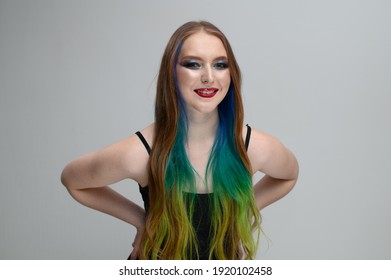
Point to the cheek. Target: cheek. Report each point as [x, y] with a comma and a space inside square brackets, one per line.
[225, 79]
[185, 77]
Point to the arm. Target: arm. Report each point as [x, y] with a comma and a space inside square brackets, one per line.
[87, 179]
[279, 165]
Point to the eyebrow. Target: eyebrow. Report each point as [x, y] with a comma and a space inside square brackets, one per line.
[192, 57]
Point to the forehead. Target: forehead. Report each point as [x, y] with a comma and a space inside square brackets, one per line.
[203, 45]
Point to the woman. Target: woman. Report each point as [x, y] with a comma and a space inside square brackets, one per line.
[194, 164]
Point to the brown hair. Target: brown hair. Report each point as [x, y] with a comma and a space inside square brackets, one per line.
[167, 115]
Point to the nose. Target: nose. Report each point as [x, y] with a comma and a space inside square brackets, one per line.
[207, 76]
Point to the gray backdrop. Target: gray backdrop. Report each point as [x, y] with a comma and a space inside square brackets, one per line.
[76, 76]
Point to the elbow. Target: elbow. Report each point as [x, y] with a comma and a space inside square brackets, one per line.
[291, 179]
[65, 177]
[295, 170]
[295, 176]
[292, 184]
[294, 179]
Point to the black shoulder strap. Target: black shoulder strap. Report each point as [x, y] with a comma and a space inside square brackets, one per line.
[247, 142]
[146, 145]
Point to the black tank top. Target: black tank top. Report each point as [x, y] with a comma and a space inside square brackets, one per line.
[201, 218]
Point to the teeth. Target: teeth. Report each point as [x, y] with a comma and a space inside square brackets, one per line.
[206, 91]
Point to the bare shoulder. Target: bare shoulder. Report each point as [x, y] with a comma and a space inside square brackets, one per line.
[135, 155]
[127, 158]
[268, 154]
[148, 134]
[261, 145]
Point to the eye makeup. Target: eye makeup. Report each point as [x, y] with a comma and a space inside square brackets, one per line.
[220, 65]
[191, 64]
[194, 64]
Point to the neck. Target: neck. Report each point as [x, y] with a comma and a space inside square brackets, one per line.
[202, 126]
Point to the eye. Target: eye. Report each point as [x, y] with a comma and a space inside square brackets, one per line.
[221, 65]
[191, 64]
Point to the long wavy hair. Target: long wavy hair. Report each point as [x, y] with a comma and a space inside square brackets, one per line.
[169, 233]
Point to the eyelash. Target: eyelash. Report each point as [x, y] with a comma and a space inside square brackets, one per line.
[221, 65]
[195, 65]
[191, 65]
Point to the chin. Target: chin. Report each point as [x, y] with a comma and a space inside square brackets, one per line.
[206, 109]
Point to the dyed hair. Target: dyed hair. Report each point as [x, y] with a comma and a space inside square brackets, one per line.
[169, 233]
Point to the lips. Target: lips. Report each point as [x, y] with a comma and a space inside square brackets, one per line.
[206, 92]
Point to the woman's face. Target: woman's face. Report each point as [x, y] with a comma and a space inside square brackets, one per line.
[202, 72]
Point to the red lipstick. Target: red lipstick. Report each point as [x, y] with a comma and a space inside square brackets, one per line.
[206, 92]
